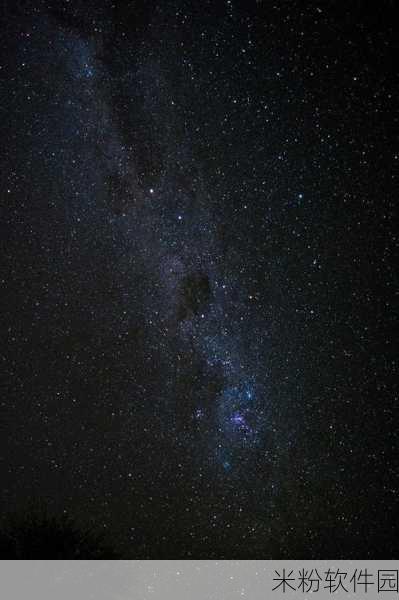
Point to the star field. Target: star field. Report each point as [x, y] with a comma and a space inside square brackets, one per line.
[198, 241]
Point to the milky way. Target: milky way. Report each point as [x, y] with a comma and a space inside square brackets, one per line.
[170, 227]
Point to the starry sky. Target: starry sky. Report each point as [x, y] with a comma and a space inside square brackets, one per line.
[198, 242]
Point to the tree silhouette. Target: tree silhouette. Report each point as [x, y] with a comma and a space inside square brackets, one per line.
[41, 536]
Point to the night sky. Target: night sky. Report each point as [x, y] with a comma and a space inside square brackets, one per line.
[197, 248]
